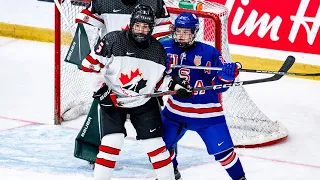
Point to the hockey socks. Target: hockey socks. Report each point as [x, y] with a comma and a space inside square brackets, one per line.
[159, 158]
[230, 161]
[108, 155]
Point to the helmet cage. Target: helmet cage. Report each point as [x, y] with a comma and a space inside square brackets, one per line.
[143, 14]
[187, 21]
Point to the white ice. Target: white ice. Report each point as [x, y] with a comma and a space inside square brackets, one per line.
[26, 98]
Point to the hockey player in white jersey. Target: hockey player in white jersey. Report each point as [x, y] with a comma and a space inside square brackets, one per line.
[113, 15]
[133, 63]
[203, 113]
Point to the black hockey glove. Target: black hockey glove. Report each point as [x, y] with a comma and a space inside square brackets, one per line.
[106, 97]
[182, 87]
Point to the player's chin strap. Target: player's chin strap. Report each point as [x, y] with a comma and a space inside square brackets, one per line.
[284, 68]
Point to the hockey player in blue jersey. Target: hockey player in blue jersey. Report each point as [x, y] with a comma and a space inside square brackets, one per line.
[202, 112]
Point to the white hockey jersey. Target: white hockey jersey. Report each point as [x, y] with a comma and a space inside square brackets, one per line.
[129, 70]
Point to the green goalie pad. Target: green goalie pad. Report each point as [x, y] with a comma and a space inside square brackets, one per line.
[88, 140]
[79, 47]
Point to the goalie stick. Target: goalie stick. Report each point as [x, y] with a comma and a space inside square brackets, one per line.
[284, 68]
[247, 70]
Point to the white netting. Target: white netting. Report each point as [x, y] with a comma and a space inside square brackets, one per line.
[248, 125]
[76, 93]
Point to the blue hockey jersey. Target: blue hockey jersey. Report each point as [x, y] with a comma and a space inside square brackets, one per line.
[204, 107]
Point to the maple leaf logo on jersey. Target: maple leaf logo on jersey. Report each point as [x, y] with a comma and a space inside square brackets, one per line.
[133, 81]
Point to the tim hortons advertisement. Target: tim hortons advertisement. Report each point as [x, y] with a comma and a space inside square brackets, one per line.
[283, 25]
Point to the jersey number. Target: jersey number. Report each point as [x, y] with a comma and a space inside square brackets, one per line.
[173, 60]
[199, 83]
[100, 47]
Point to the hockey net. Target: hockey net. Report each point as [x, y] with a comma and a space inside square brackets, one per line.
[248, 125]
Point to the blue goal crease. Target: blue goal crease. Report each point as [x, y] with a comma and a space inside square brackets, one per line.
[49, 149]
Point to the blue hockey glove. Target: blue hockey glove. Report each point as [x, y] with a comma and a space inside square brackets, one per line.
[229, 71]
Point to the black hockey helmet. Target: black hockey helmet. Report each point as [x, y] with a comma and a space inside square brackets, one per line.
[144, 14]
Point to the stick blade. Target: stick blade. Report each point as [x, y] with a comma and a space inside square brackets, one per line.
[284, 68]
[287, 64]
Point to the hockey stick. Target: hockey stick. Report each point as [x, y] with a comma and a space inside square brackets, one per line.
[284, 68]
[247, 70]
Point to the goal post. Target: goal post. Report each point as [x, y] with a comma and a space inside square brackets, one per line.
[248, 125]
[57, 64]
